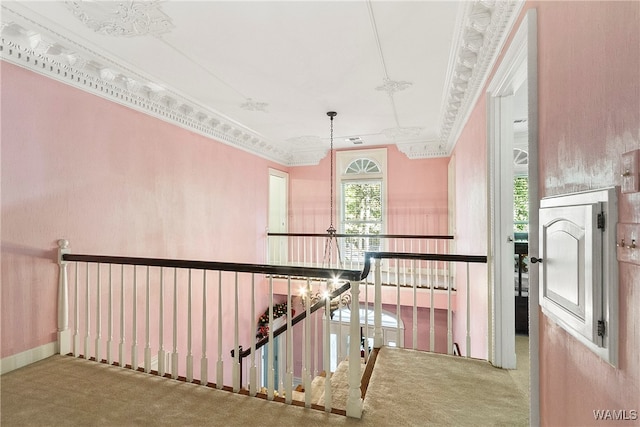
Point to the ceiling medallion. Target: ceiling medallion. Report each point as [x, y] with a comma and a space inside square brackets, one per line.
[129, 19]
[392, 86]
[251, 105]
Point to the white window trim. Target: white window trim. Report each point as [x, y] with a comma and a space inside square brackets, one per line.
[344, 159]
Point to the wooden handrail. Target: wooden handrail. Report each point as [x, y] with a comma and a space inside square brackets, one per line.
[297, 319]
[482, 259]
[383, 236]
[276, 270]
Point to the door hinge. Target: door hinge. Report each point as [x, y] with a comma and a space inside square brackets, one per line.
[601, 221]
[602, 328]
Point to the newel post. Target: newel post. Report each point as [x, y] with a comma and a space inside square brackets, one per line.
[354, 400]
[64, 334]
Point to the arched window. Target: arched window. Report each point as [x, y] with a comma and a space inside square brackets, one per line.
[362, 199]
[363, 166]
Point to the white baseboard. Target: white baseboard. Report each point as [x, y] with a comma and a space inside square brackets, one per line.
[16, 361]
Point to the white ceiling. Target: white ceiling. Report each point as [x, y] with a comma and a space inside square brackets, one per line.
[261, 75]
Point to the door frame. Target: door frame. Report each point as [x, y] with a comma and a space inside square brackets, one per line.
[519, 64]
[280, 242]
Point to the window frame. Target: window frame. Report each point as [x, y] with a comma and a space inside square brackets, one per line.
[343, 160]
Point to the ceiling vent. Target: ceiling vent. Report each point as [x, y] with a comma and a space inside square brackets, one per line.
[356, 140]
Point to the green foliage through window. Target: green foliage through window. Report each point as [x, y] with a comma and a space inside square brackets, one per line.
[521, 203]
[362, 209]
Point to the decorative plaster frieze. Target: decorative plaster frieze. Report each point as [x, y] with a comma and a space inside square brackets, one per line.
[128, 19]
[486, 24]
[88, 73]
[251, 105]
[423, 150]
[31, 45]
[307, 158]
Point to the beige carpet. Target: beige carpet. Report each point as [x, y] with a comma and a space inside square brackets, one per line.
[407, 388]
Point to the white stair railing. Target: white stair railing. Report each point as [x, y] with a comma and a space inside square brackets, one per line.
[348, 250]
[437, 300]
[158, 301]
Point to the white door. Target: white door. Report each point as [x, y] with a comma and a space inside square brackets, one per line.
[278, 210]
[519, 66]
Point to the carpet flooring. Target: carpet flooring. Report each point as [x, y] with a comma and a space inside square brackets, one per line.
[407, 388]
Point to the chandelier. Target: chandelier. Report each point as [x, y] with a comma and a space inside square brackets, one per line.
[310, 298]
[307, 295]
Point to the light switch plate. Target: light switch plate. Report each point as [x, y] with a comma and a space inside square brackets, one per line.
[630, 172]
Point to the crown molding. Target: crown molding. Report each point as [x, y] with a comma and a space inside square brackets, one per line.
[481, 37]
[423, 150]
[30, 45]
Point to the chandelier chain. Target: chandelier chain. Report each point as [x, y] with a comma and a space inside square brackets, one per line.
[331, 227]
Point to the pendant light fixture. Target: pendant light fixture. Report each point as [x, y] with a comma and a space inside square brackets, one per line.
[331, 231]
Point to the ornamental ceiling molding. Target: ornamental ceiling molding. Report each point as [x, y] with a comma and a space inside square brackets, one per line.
[30, 45]
[485, 27]
[423, 150]
[128, 19]
[484, 30]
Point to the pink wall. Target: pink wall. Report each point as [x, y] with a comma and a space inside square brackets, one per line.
[589, 114]
[417, 195]
[113, 181]
[589, 104]
[471, 231]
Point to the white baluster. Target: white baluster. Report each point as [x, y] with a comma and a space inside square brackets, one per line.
[220, 364]
[449, 318]
[134, 321]
[76, 316]
[271, 346]
[468, 352]
[304, 244]
[87, 310]
[189, 331]
[98, 315]
[162, 369]
[340, 349]
[415, 304]
[377, 313]
[122, 329]
[253, 372]
[236, 332]
[315, 347]
[432, 321]
[204, 362]
[175, 355]
[398, 308]
[110, 318]
[354, 400]
[366, 320]
[306, 367]
[288, 386]
[147, 347]
[64, 334]
[326, 341]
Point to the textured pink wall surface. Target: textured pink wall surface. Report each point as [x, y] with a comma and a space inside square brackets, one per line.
[471, 230]
[589, 106]
[113, 181]
[416, 191]
[417, 194]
